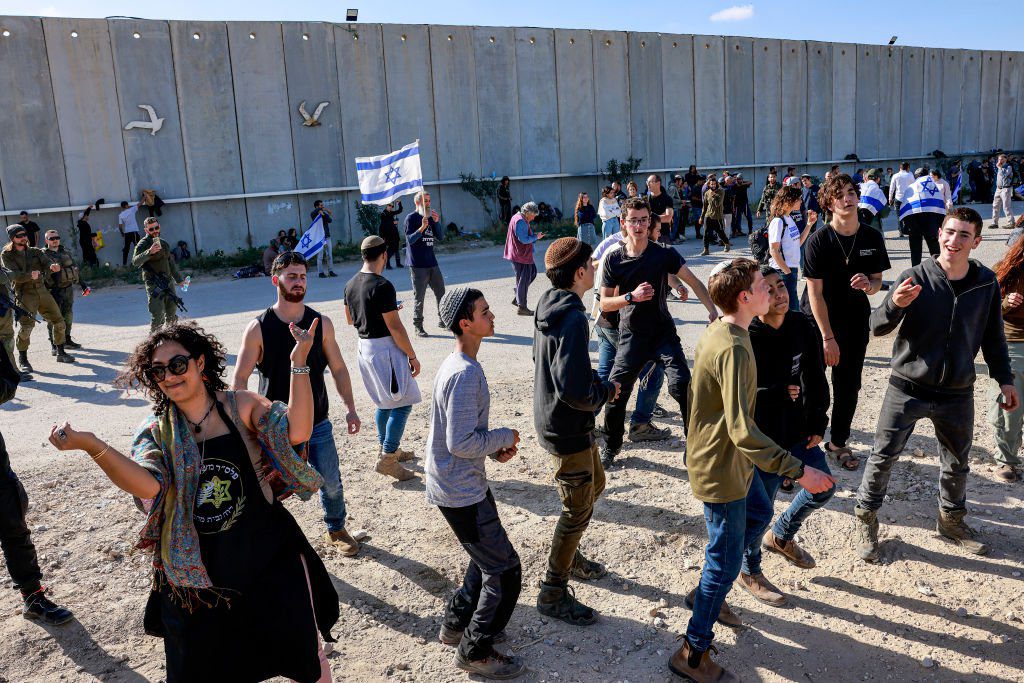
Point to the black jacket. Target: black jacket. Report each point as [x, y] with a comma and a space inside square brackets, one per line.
[566, 390]
[941, 333]
[789, 355]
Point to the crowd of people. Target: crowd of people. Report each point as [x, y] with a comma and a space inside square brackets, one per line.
[755, 406]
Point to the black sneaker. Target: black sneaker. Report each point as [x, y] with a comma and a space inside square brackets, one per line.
[420, 332]
[331, 273]
[659, 411]
[559, 602]
[608, 457]
[323, 275]
[39, 608]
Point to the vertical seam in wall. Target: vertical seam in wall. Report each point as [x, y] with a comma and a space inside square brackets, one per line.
[238, 135]
[519, 112]
[60, 138]
[181, 129]
[291, 127]
[120, 111]
[593, 81]
[433, 100]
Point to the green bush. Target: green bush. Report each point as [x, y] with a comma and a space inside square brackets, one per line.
[368, 217]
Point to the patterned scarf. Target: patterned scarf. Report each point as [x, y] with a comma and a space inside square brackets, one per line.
[165, 446]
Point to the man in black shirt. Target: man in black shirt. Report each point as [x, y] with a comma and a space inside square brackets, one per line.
[266, 345]
[844, 262]
[634, 282]
[661, 207]
[31, 227]
[325, 254]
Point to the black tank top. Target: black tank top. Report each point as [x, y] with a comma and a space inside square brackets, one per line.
[275, 367]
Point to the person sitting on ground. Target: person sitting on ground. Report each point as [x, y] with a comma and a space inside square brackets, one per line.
[181, 252]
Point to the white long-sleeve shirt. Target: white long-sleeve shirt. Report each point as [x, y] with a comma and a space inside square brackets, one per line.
[947, 197]
[899, 184]
[608, 207]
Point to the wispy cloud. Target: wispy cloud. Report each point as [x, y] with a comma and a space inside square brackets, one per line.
[49, 11]
[735, 13]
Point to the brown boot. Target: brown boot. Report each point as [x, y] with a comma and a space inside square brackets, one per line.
[726, 617]
[761, 589]
[951, 525]
[697, 666]
[343, 541]
[405, 456]
[867, 534]
[704, 252]
[793, 553]
[388, 465]
[1007, 473]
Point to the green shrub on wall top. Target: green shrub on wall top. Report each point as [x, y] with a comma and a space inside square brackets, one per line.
[621, 171]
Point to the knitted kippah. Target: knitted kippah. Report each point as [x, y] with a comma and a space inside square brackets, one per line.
[371, 242]
[450, 304]
[561, 251]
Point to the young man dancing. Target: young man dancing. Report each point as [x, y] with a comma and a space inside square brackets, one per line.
[459, 445]
[946, 308]
[724, 446]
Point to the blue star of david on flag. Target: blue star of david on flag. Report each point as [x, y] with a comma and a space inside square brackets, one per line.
[929, 187]
[920, 198]
[391, 175]
[382, 178]
[313, 239]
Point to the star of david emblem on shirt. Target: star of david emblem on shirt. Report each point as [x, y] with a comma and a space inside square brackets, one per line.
[391, 175]
[306, 241]
[929, 187]
[215, 491]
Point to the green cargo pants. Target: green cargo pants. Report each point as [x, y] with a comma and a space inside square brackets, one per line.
[7, 332]
[65, 298]
[37, 299]
[580, 479]
[162, 310]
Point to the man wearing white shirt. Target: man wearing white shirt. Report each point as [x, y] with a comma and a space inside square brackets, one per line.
[129, 228]
[1003, 193]
[940, 183]
[898, 189]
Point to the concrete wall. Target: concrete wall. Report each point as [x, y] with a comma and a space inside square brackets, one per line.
[481, 100]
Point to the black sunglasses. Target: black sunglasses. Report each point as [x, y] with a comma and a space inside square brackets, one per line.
[177, 365]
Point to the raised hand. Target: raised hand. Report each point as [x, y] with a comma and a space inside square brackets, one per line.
[906, 293]
[303, 341]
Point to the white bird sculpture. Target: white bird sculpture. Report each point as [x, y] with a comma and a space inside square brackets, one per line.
[154, 124]
[313, 120]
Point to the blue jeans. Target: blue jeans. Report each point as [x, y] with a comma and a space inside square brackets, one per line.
[651, 377]
[323, 456]
[391, 426]
[585, 233]
[803, 504]
[790, 281]
[610, 226]
[732, 528]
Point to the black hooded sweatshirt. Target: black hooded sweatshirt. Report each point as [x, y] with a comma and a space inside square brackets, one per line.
[566, 390]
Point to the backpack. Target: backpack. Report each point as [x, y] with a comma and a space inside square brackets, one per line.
[759, 244]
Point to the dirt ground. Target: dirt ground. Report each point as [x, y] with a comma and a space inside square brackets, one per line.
[927, 613]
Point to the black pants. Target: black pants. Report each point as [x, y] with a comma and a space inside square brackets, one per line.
[846, 377]
[482, 607]
[926, 226]
[634, 352]
[88, 251]
[19, 553]
[130, 239]
[712, 229]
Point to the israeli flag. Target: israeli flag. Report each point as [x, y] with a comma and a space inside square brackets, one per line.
[923, 196]
[955, 192]
[383, 178]
[871, 197]
[313, 240]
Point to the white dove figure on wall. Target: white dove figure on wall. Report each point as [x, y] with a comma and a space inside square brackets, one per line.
[313, 120]
[154, 124]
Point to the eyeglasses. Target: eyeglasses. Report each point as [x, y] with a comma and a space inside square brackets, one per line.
[638, 221]
[177, 365]
[53, 239]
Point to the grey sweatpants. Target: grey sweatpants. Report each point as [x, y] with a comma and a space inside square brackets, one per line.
[953, 419]
[421, 278]
[1002, 198]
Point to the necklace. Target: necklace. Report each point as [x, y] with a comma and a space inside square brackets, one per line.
[853, 245]
[197, 426]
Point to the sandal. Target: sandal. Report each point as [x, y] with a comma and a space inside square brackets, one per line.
[844, 457]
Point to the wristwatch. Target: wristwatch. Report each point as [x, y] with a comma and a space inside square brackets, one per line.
[629, 297]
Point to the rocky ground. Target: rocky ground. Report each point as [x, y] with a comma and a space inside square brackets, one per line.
[927, 613]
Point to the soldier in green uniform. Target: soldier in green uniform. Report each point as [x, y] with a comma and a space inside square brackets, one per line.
[32, 273]
[61, 286]
[7, 320]
[153, 255]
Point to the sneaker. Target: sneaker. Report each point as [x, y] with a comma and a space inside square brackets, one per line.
[648, 432]
[586, 570]
[53, 350]
[728, 246]
[420, 332]
[39, 608]
[790, 550]
[1008, 473]
[726, 617]
[761, 589]
[523, 310]
[495, 666]
[323, 275]
[659, 411]
[451, 636]
[343, 541]
[559, 602]
[704, 252]
[608, 457]
[694, 665]
[867, 534]
[441, 324]
[331, 273]
[951, 525]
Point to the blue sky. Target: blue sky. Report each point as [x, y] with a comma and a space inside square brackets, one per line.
[979, 24]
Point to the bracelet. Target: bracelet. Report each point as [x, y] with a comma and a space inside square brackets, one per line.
[829, 338]
[100, 454]
[300, 369]
[411, 358]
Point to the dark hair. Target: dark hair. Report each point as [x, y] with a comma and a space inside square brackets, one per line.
[505, 179]
[904, 165]
[726, 285]
[834, 188]
[465, 311]
[197, 343]
[606, 191]
[767, 270]
[373, 253]
[563, 276]
[288, 258]
[317, 203]
[124, 205]
[784, 196]
[969, 215]
[23, 213]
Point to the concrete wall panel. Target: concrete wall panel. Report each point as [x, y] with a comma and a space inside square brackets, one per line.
[868, 101]
[494, 56]
[677, 94]
[739, 93]
[890, 74]
[933, 83]
[768, 102]
[31, 159]
[952, 89]
[911, 101]
[455, 101]
[571, 188]
[844, 99]
[646, 105]
[970, 116]
[611, 97]
[991, 61]
[819, 100]
[311, 71]
[1010, 73]
[708, 77]
[538, 100]
[1018, 137]
[574, 66]
[794, 84]
[87, 113]
[410, 92]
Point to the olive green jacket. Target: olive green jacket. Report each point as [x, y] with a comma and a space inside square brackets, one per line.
[767, 195]
[22, 263]
[161, 262]
[713, 204]
[68, 274]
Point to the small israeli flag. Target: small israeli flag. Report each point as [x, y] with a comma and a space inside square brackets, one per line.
[383, 178]
[871, 197]
[313, 239]
[923, 196]
[955, 192]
